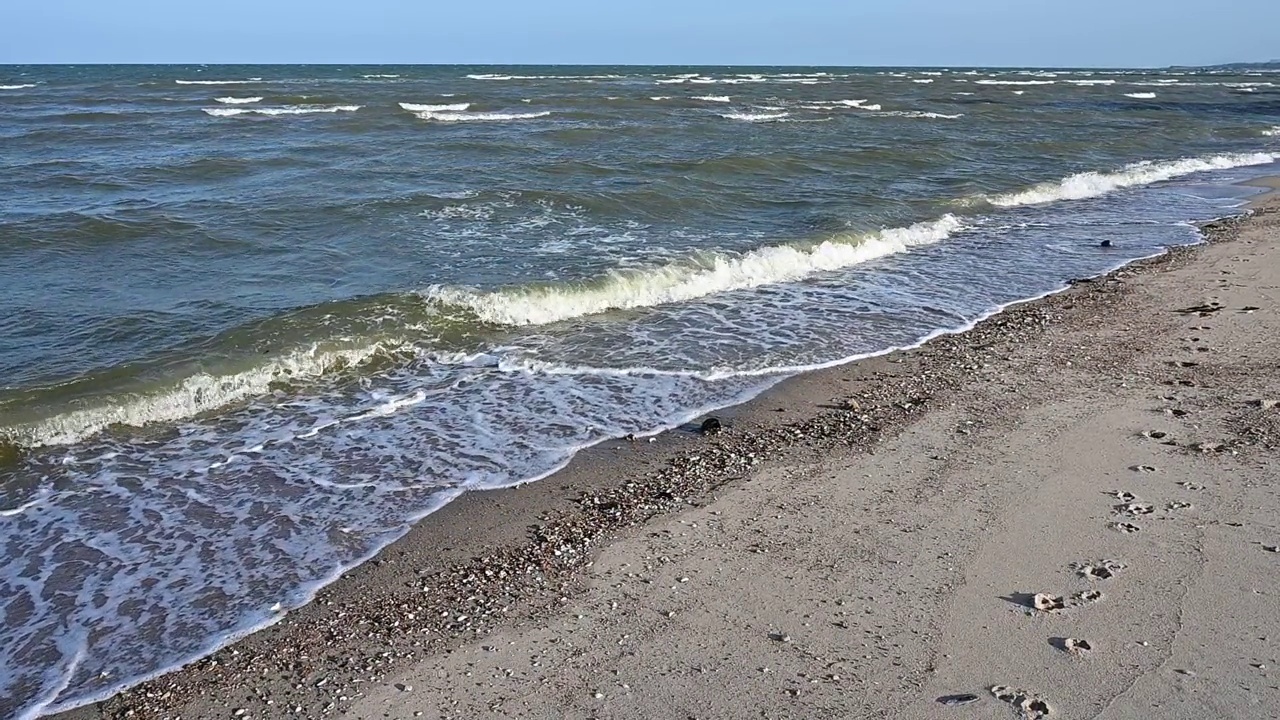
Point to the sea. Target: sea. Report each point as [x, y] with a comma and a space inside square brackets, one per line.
[257, 321]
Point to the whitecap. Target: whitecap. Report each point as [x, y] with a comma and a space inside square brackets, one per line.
[1014, 82]
[287, 110]
[454, 117]
[694, 277]
[192, 395]
[924, 81]
[755, 117]
[713, 98]
[1093, 184]
[17, 87]
[1141, 95]
[217, 82]
[238, 101]
[452, 107]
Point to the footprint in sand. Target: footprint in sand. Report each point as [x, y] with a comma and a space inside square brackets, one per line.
[1124, 527]
[1123, 496]
[1044, 602]
[1179, 506]
[1098, 570]
[1072, 646]
[1029, 705]
[1191, 486]
[1086, 597]
[1143, 468]
[1135, 509]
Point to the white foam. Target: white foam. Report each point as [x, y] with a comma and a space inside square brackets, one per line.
[193, 395]
[660, 98]
[17, 87]
[1019, 92]
[453, 107]
[372, 77]
[671, 81]
[1014, 82]
[693, 278]
[288, 110]
[455, 117]
[1141, 96]
[218, 82]
[755, 117]
[924, 81]
[1273, 132]
[713, 98]
[238, 101]
[1093, 184]
[920, 114]
[1092, 82]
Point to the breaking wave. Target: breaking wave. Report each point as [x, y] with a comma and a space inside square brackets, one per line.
[1014, 82]
[1273, 132]
[713, 98]
[755, 117]
[454, 107]
[17, 87]
[1093, 184]
[289, 110]
[1141, 95]
[219, 82]
[692, 278]
[192, 395]
[238, 101]
[454, 117]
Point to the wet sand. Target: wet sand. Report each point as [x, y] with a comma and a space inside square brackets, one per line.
[859, 542]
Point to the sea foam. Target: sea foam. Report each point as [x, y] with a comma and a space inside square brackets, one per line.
[1141, 95]
[755, 117]
[458, 117]
[218, 82]
[685, 280]
[17, 87]
[288, 110]
[238, 101]
[453, 107]
[191, 396]
[1093, 184]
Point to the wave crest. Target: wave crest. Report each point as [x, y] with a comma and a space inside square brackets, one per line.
[238, 101]
[416, 108]
[193, 395]
[289, 110]
[680, 281]
[1093, 184]
[455, 117]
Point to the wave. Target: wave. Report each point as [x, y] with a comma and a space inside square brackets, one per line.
[1014, 82]
[1141, 96]
[193, 395]
[1273, 132]
[453, 117]
[238, 101]
[17, 87]
[289, 110]
[1092, 82]
[713, 98]
[755, 117]
[373, 77]
[455, 107]
[250, 81]
[660, 98]
[689, 279]
[920, 114]
[1093, 184]
[924, 81]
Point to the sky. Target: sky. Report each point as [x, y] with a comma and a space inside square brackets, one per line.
[1114, 33]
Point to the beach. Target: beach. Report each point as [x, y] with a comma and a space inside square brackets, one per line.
[861, 541]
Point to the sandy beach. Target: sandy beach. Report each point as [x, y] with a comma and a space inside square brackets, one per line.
[871, 540]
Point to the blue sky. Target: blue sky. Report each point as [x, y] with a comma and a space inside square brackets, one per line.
[797, 32]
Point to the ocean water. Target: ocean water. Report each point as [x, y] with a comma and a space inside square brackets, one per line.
[256, 321]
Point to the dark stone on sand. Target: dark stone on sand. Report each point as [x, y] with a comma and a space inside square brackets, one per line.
[711, 426]
[958, 700]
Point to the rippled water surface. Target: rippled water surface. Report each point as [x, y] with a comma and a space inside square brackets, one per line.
[258, 320]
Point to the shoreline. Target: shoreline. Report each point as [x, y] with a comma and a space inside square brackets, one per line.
[503, 558]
